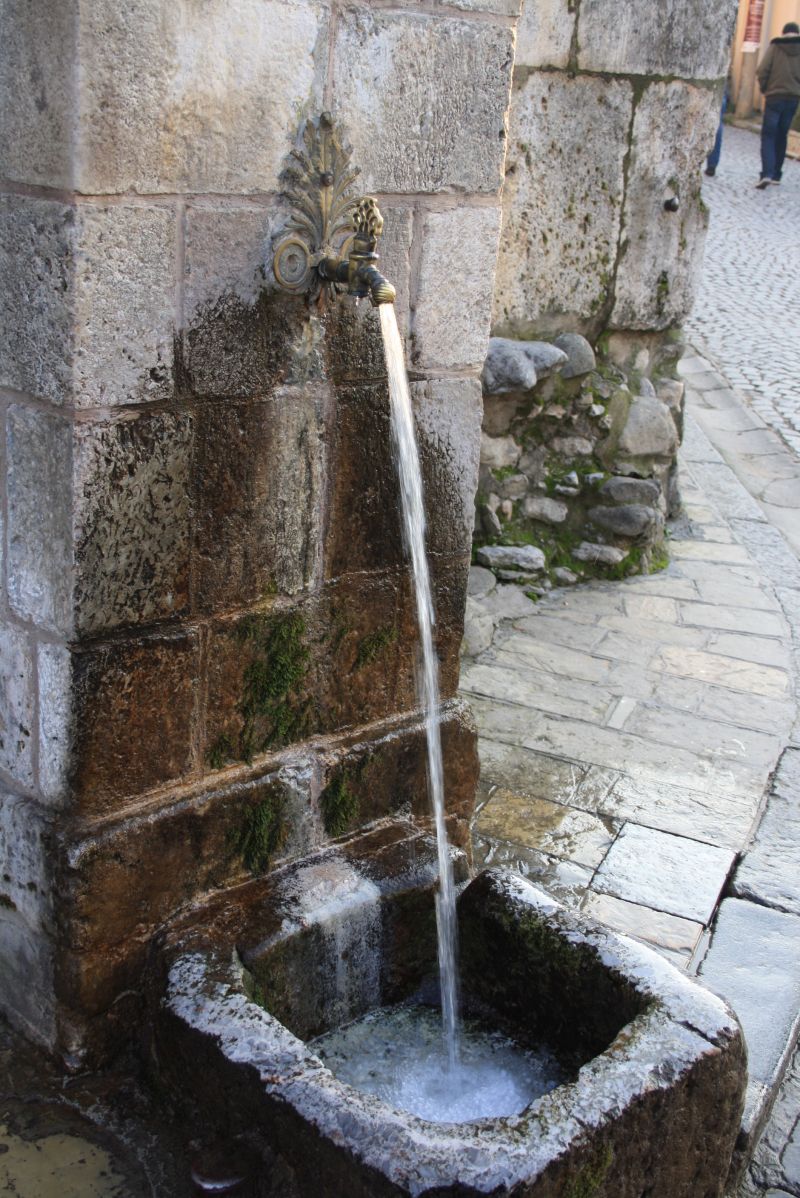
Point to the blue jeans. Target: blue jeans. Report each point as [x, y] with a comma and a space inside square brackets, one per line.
[778, 116]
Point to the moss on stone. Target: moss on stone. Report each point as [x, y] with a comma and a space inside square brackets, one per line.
[273, 711]
[340, 804]
[501, 473]
[659, 560]
[261, 834]
[221, 752]
[591, 1177]
[373, 645]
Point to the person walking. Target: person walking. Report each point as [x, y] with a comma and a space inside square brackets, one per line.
[779, 80]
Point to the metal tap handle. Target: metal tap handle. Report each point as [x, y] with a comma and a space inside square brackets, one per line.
[367, 219]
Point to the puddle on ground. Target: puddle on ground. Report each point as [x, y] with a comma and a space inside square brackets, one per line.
[56, 1166]
[398, 1054]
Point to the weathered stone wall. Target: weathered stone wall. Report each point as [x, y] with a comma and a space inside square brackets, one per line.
[207, 627]
[614, 108]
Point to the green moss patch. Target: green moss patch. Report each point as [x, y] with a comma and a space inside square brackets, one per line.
[273, 709]
[261, 834]
[374, 645]
[340, 804]
[591, 1177]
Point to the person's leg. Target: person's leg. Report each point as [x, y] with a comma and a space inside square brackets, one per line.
[769, 130]
[712, 162]
[787, 110]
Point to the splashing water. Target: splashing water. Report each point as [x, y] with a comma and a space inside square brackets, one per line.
[407, 457]
[397, 1054]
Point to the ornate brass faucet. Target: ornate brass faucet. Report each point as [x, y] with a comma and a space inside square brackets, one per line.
[325, 216]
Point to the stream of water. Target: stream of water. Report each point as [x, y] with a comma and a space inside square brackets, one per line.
[407, 457]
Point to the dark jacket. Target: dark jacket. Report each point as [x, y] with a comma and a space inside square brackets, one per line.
[779, 72]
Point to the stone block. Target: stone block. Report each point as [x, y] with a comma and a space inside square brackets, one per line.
[673, 128]
[649, 430]
[40, 500]
[630, 490]
[364, 529]
[670, 873]
[523, 557]
[17, 706]
[37, 247]
[54, 665]
[133, 718]
[447, 414]
[549, 511]
[770, 870]
[448, 588]
[450, 325]
[257, 498]
[279, 676]
[499, 452]
[580, 355]
[544, 33]
[124, 304]
[567, 143]
[227, 253]
[630, 520]
[518, 365]
[674, 38]
[26, 978]
[132, 518]
[180, 99]
[434, 122]
[507, 367]
[387, 774]
[762, 984]
[25, 867]
[547, 827]
[235, 349]
[37, 67]
[125, 883]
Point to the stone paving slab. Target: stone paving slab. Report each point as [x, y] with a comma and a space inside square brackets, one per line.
[754, 962]
[770, 871]
[654, 927]
[671, 874]
[772, 1170]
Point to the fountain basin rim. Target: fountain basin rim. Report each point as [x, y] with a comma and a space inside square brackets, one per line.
[680, 1024]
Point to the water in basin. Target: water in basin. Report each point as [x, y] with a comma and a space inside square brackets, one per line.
[398, 1054]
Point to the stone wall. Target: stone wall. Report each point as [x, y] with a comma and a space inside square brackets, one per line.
[207, 627]
[614, 107]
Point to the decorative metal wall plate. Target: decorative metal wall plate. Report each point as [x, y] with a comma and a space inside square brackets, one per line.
[317, 184]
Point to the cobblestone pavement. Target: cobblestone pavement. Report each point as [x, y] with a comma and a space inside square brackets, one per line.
[640, 746]
[746, 313]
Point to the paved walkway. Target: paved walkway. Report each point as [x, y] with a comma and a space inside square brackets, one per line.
[640, 743]
[746, 314]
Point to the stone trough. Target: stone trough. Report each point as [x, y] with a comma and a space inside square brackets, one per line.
[655, 1065]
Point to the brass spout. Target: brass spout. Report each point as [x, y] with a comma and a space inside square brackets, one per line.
[358, 269]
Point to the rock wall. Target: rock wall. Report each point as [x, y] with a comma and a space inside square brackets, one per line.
[614, 108]
[577, 457]
[207, 628]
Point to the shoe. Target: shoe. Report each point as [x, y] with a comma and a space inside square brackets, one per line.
[763, 184]
[711, 171]
[775, 182]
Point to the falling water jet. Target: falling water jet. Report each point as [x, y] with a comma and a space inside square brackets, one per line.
[407, 458]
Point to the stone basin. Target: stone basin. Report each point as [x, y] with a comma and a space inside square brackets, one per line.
[655, 1064]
